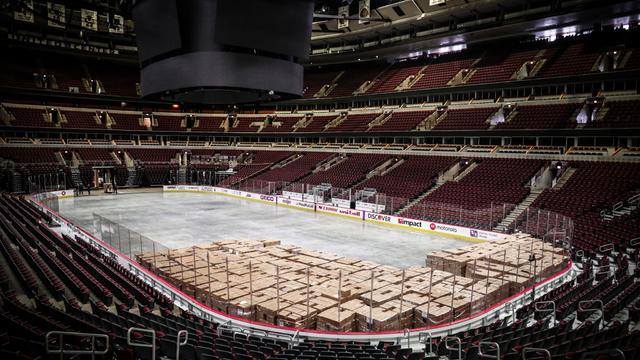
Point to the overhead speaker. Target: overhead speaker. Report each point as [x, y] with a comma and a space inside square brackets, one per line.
[222, 51]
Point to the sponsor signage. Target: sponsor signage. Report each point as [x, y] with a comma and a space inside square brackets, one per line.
[361, 205]
[345, 203]
[298, 203]
[340, 211]
[415, 224]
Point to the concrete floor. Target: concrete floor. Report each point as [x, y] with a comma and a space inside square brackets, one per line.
[184, 219]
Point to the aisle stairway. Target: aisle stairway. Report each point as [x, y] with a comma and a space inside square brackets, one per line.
[513, 215]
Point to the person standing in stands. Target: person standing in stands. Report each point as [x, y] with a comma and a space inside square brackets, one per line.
[89, 188]
[115, 186]
[80, 189]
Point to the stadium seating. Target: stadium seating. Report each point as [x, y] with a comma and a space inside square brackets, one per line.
[541, 117]
[500, 67]
[470, 201]
[593, 187]
[169, 123]
[395, 75]
[294, 170]
[355, 76]
[355, 123]
[403, 121]
[347, 172]
[620, 114]
[412, 177]
[460, 119]
[574, 59]
[81, 120]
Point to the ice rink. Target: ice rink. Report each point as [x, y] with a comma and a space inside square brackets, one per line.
[184, 219]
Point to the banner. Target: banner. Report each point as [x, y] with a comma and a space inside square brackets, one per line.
[297, 203]
[361, 205]
[24, 12]
[340, 211]
[421, 225]
[89, 19]
[437, 2]
[345, 203]
[343, 13]
[116, 25]
[364, 11]
[56, 16]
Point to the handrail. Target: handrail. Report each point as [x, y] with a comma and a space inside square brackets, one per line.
[428, 338]
[525, 351]
[537, 308]
[179, 343]
[588, 303]
[293, 339]
[458, 342]
[492, 346]
[61, 350]
[141, 344]
[605, 248]
[634, 242]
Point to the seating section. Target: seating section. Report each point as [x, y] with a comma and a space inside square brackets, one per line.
[354, 76]
[81, 120]
[318, 123]
[542, 117]
[439, 73]
[595, 186]
[403, 121]
[127, 122]
[28, 117]
[620, 114]
[415, 175]
[500, 68]
[477, 199]
[169, 123]
[210, 124]
[258, 163]
[394, 76]
[243, 124]
[355, 123]
[296, 169]
[34, 155]
[286, 124]
[351, 169]
[313, 82]
[96, 156]
[162, 156]
[463, 119]
[573, 60]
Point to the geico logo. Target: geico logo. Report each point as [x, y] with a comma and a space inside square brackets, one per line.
[286, 201]
[266, 197]
[409, 223]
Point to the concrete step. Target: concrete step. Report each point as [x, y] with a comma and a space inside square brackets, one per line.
[519, 209]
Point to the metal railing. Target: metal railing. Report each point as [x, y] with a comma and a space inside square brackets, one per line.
[60, 336]
[152, 345]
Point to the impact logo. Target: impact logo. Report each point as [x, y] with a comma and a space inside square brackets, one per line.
[409, 223]
[473, 233]
[432, 226]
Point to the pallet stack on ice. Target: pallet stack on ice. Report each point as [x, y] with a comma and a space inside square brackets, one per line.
[291, 286]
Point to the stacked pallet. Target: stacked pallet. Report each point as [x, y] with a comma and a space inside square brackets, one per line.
[515, 261]
[291, 286]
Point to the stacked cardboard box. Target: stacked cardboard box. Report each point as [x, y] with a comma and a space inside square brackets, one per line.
[290, 286]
